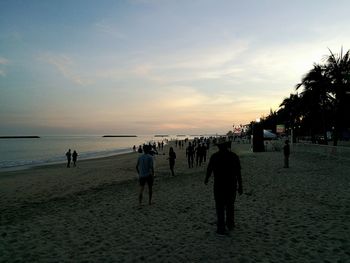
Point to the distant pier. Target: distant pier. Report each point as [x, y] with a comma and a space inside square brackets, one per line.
[19, 137]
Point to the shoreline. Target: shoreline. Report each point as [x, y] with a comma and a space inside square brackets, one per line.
[12, 162]
[341, 148]
[33, 166]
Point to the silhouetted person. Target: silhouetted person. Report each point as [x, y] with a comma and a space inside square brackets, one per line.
[205, 149]
[286, 153]
[134, 148]
[74, 156]
[69, 158]
[202, 152]
[172, 157]
[190, 154]
[197, 153]
[139, 150]
[145, 169]
[227, 180]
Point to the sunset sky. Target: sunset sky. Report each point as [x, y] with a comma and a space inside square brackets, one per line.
[157, 66]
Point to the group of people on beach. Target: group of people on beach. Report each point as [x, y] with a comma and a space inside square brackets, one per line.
[71, 156]
[224, 164]
[153, 147]
[197, 150]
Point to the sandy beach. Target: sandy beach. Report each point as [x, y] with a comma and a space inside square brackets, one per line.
[90, 213]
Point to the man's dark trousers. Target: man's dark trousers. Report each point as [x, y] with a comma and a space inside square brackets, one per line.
[224, 202]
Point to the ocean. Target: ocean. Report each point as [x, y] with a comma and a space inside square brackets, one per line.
[22, 153]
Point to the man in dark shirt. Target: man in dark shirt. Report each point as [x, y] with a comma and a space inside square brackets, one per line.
[286, 153]
[145, 169]
[227, 180]
[190, 155]
[69, 158]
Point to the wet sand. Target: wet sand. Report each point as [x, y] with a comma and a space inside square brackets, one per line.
[90, 213]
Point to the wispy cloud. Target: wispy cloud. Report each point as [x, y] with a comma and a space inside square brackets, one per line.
[3, 63]
[109, 29]
[64, 65]
[164, 67]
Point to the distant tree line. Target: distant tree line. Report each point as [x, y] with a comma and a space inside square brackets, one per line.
[321, 104]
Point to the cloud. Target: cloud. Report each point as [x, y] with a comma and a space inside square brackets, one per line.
[4, 61]
[181, 98]
[111, 30]
[208, 57]
[64, 65]
[232, 82]
[164, 68]
[142, 70]
[239, 62]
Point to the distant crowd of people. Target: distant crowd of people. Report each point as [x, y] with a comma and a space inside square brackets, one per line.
[197, 150]
[152, 146]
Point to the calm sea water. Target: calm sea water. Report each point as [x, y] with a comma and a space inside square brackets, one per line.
[22, 153]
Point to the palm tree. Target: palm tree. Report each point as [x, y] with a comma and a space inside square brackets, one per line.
[338, 71]
[315, 98]
[324, 101]
[291, 110]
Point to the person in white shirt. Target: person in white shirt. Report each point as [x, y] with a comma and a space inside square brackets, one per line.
[145, 170]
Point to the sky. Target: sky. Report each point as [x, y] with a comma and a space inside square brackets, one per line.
[157, 66]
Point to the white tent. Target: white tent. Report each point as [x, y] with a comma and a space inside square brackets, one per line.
[268, 135]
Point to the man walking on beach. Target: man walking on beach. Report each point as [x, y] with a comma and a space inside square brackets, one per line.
[145, 169]
[69, 158]
[227, 180]
[190, 155]
[286, 153]
[75, 156]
